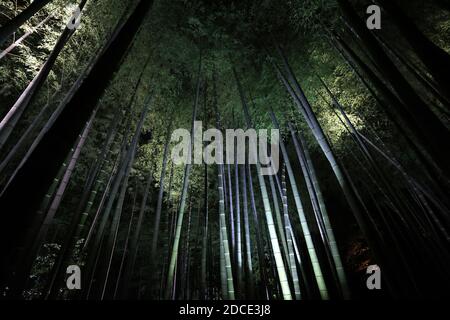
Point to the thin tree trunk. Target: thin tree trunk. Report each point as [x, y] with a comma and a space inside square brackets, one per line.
[160, 194]
[120, 176]
[223, 271]
[75, 232]
[232, 233]
[48, 125]
[250, 293]
[349, 192]
[22, 38]
[112, 130]
[90, 280]
[49, 217]
[45, 205]
[423, 78]
[187, 256]
[79, 229]
[280, 267]
[230, 293]
[26, 256]
[304, 224]
[112, 239]
[430, 126]
[227, 283]
[170, 226]
[315, 191]
[125, 246]
[133, 246]
[278, 219]
[238, 258]
[290, 240]
[204, 266]
[414, 184]
[187, 171]
[259, 238]
[19, 144]
[36, 174]
[10, 27]
[400, 119]
[10, 120]
[434, 58]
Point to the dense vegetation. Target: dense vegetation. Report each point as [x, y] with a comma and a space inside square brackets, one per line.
[86, 176]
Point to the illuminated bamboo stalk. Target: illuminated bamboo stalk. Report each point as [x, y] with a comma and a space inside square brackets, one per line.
[225, 247]
[187, 171]
[301, 214]
[289, 237]
[280, 267]
[316, 192]
[248, 244]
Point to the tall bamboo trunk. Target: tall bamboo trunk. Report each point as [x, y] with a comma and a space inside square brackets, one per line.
[238, 258]
[187, 171]
[264, 280]
[279, 221]
[401, 120]
[416, 222]
[317, 197]
[36, 174]
[115, 224]
[229, 197]
[204, 266]
[250, 288]
[76, 229]
[27, 255]
[289, 236]
[230, 292]
[48, 125]
[10, 27]
[419, 74]
[22, 38]
[112, 239]
[430, 126]
[303, 222]
[160, 194]
[280, 266]
[103, 153]
[45, 205]
[188, 257]
[223, 271]
[125, 246]
[170, 226]
[10, 120]
[418, 187]
[350, 194]
[126, 158]
[39, 239]
[204, 247]
[227, 283]
[434, 58]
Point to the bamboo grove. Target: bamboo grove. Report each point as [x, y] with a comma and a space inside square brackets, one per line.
[87, 178]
